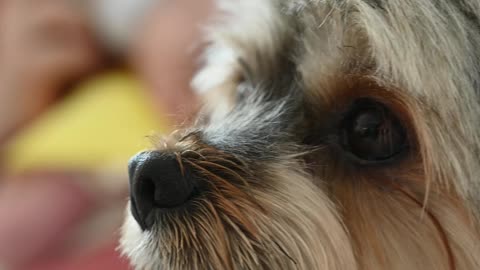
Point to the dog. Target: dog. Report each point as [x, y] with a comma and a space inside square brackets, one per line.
[337, 134]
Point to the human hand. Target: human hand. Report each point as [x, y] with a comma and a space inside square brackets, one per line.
[166, 50]
[44, 44]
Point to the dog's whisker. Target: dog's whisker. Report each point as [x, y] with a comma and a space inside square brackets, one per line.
[222, 183]
[226, 170]
[180, 163]
[190, 151]
[233, 164]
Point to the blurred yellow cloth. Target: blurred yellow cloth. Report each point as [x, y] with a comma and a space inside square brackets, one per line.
[102, 124]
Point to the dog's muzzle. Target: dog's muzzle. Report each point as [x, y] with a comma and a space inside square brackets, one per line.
[157, 182]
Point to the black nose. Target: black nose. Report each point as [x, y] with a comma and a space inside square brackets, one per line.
[156, 181]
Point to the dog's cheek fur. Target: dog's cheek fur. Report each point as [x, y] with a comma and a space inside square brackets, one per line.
[306, 224]
[392, 230]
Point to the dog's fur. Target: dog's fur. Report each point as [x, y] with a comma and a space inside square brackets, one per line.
[280, 194]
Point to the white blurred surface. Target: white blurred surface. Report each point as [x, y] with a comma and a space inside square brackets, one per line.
[116, 21]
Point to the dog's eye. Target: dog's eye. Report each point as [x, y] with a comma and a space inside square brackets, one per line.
[371, 133]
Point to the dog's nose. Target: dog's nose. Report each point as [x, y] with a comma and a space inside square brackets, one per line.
[156, 181]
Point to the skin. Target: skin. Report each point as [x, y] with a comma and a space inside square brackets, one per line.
[20, 243]
[43, 48]
[165, 56]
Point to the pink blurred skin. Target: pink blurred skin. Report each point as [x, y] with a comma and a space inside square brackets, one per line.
[44, 44]
[37, 215]
[165, 53]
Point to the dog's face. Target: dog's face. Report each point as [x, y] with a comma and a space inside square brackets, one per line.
[340, 135]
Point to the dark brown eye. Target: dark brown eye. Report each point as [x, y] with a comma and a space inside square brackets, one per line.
[371, 133]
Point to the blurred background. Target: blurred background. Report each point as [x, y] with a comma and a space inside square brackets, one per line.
[84, 85]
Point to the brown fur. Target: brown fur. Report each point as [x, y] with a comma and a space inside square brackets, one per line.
[303, 205]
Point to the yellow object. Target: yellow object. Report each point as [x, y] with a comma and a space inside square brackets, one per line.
[105, 122]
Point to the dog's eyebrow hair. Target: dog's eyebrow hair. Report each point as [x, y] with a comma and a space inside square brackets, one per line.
[375, 3]
[469, 14]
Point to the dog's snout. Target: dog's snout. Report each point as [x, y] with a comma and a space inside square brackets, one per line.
[157, 181]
